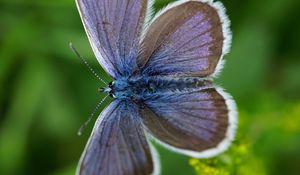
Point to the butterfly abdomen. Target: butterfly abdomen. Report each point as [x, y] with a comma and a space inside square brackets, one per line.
[163, 84]
[141, 87]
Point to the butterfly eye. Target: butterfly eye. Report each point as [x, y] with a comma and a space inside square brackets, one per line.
[112, 95]
[111, 84]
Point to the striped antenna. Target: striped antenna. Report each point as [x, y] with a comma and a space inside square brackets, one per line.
[85, 62]
[81, 129]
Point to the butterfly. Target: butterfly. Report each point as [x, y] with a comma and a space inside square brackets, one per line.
[163, 67]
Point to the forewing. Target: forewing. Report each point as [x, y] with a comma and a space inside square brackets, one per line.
[117, 144]
[199, 123]
[186, 39]
[113, 28]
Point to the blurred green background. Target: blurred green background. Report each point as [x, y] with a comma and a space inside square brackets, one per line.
[46, 93]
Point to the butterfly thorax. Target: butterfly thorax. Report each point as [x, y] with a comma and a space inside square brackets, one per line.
[140, 87]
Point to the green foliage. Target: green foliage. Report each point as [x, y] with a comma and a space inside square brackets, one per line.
[239, 159]
[257, 144]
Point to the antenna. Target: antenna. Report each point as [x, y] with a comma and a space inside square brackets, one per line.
[91, 116]
[85, 62]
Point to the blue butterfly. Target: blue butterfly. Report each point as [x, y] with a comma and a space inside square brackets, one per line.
[163, 69]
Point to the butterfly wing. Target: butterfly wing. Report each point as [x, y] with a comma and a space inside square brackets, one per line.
[117, 144]
[113, 28]
[199, 124]
[187, 38]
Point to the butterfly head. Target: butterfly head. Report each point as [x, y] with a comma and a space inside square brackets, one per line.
[107, 89]
[120, 89]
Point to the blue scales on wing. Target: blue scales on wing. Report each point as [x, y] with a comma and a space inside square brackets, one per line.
[185, 40]
[117, 144]
[191, 122]
[113, 28]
